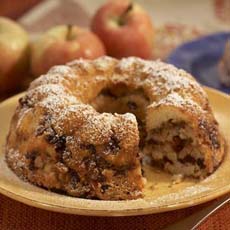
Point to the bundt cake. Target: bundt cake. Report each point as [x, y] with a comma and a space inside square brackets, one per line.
[83, 128]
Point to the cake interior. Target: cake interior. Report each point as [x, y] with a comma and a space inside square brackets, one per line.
[172, 146]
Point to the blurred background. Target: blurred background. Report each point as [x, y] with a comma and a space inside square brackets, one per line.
[177, 23]
[211, 15]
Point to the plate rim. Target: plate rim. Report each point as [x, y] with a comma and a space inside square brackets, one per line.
[112, 213]
[203, 198]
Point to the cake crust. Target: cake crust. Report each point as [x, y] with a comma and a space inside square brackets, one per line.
[79, 129]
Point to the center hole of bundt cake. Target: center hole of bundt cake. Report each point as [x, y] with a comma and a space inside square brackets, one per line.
[122, 99]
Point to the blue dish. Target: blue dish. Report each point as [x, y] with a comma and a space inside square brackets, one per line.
[200, 58]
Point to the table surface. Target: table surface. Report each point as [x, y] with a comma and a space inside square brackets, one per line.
[15, 215]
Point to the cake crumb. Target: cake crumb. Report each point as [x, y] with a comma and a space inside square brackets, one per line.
[177, 178]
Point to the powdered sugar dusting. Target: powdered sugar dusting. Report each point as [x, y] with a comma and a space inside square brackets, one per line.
[103, 63]
[176, 100]
[127, 63]
[60, 91]
[43, 91]
[81, 64]
[54, 77]
[17, 159]
[166, 78]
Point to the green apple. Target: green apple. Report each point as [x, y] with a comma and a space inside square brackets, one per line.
[14, 55]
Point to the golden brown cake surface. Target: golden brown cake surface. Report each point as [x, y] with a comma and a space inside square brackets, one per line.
[82, 128]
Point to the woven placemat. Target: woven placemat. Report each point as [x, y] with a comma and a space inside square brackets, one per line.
[18, 216]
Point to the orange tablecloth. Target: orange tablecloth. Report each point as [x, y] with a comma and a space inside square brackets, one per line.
[17, 216]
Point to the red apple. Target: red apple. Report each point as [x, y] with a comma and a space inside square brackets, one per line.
[125, 29]
[62, 44]
[14, 55]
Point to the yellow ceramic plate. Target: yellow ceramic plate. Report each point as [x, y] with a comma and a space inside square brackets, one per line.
[160, 194]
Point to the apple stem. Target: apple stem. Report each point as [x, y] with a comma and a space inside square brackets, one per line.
[69, 34]
[123, 15]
